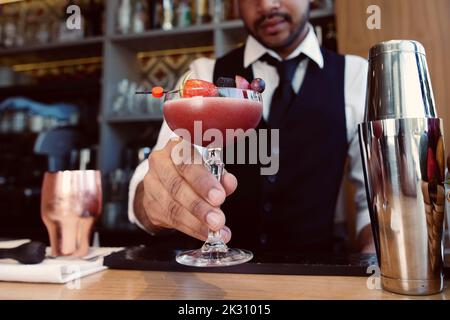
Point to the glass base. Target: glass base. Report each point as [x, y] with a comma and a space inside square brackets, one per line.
[200, 258]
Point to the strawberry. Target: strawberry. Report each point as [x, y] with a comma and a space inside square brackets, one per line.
[241, 83]
[198, 88]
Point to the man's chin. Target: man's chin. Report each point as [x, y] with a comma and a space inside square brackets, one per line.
[274, 42]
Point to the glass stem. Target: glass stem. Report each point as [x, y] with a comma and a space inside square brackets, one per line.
[215, 165]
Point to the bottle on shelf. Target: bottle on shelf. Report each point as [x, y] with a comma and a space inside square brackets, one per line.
[156, 14]
[32, 24]
[124, 17]
[202, 11]
[21, 24]
[235, 10]
[168, 14]
[223, 10]
[140, 16]
[94, 18]
[184, 14]
[40, 22]
[10, 26]
[43, 32]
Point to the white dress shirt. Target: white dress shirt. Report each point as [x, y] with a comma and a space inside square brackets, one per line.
[355, 94]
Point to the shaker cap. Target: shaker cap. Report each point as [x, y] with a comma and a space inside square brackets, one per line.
[398, 82]
[396, 46]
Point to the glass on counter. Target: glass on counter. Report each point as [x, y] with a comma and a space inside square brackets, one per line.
[71, 204]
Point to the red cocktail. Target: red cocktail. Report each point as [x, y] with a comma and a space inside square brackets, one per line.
[220, 111]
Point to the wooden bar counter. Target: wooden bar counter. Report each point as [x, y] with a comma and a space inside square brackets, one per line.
[123, 284]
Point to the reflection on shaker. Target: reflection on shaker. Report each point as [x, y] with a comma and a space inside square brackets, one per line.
[433, 190]
[447, 195]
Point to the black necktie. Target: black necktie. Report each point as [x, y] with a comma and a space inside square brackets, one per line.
[284, 94]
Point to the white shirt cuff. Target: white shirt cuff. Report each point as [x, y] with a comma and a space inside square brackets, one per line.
[138, 177]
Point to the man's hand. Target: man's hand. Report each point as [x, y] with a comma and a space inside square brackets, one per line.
[185, 197]
[365, 240]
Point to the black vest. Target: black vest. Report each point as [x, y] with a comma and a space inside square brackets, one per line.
[293, 211]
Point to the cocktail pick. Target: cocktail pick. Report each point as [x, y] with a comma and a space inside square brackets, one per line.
[156, 92]
[159, 92]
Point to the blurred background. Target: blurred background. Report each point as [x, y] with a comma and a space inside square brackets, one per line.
[79, 84]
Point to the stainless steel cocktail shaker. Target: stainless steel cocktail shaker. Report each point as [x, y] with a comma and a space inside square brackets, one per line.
[402, 149]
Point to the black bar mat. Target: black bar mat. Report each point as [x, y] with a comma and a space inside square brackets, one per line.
[157, 258]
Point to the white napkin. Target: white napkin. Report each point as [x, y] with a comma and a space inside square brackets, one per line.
[52, 270]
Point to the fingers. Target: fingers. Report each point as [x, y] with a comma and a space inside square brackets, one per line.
[229, 183]
[225, 234]
[166, 212]
[191, 167]
[183, 193]
[188, 163]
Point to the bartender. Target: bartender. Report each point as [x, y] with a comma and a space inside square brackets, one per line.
[316, 98]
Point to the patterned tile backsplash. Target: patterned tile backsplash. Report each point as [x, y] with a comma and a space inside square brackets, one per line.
[164, 71]
[157, 70]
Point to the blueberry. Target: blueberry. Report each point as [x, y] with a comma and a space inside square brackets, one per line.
[223, 82]
[258, 85]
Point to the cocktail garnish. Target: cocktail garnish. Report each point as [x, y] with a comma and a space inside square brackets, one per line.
[242, 83]
[258, 85]
[198, 88]
[157, 92]
[183, 82]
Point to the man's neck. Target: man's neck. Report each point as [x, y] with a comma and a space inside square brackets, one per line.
[286, 51]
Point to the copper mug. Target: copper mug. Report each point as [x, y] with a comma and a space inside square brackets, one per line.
[71, 203]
